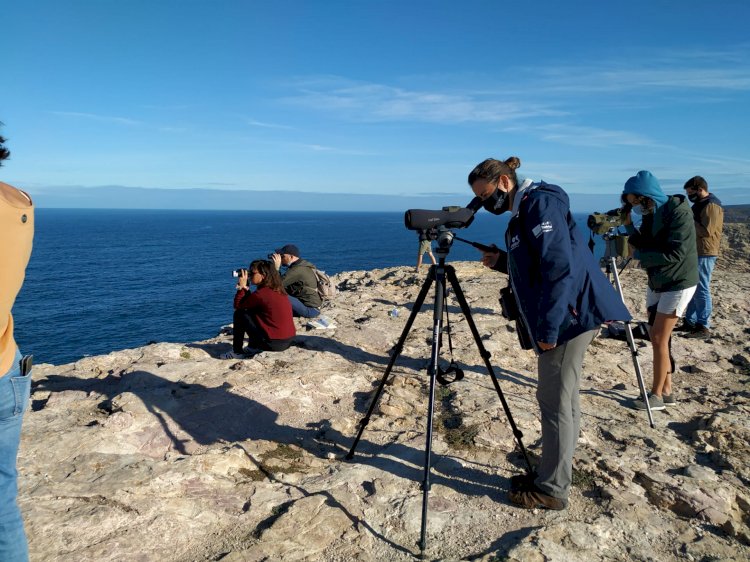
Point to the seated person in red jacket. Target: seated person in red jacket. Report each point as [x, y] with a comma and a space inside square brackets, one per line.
[265, 314]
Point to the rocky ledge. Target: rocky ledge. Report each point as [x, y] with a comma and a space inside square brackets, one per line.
[167, 452]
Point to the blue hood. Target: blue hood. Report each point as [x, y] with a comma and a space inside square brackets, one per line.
[645, 184]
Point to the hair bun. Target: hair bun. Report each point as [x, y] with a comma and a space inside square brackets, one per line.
[513, 162]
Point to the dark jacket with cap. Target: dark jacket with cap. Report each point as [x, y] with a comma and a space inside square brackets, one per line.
[666, 246]
[560, 289]
[300, 282]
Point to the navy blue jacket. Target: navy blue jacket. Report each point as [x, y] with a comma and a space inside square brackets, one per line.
[560, 289]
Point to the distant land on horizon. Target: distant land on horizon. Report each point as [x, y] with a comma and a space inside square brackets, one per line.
[121, 197]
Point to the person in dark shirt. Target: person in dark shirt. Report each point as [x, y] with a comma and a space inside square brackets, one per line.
[265, 314]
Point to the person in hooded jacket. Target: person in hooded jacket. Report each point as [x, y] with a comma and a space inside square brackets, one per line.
[665, 245]
[561, 297]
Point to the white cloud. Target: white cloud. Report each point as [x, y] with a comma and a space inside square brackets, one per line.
[686, 71]
[255, 123]
[334, 150]
[532, 91]
[379, 102]
[591, 136]
[100, 118]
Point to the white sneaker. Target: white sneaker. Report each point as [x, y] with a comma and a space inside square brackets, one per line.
[321, 323]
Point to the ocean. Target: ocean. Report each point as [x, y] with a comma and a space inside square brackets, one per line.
[104, 280]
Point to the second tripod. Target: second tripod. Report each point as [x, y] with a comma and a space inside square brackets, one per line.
[615, 245]
[438, 275]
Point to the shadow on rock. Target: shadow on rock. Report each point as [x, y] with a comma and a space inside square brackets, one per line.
[215, 415]
[500, 548]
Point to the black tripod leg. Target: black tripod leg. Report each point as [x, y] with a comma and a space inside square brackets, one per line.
[486, 357]
[437, 328]
[396, 352]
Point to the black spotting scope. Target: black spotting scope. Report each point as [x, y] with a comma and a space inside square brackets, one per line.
[450, 217]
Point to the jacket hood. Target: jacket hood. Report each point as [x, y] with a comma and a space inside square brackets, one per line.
[644, 184]
[528, 186]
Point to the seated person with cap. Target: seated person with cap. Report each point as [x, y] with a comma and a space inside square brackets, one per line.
[299, 281]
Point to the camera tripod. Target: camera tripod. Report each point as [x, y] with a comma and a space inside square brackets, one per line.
[438, 274]
[610, 262]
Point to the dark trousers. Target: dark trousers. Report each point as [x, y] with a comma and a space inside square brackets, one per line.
[245, 324]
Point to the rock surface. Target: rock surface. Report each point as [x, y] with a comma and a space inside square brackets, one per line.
[168, 453]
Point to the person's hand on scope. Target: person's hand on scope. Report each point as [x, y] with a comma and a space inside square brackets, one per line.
[489, 258]
[627, 219]
[242, 280]
[625, 212]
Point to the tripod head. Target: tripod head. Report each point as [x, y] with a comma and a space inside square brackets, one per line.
[615, 245]
[444, 237]
[616, 250]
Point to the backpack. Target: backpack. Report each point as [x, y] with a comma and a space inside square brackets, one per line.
[326, 288]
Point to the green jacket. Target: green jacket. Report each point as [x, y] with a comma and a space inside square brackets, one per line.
[666, 246]
[300, 281]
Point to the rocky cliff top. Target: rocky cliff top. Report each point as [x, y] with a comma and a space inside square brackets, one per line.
[167, 452]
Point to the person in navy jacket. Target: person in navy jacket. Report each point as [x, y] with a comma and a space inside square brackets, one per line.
[561, 297]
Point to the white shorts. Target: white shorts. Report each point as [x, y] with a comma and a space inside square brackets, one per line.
[670, 302]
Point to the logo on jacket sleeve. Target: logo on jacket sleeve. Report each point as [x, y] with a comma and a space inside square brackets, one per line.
[541, 228]
[515, 241]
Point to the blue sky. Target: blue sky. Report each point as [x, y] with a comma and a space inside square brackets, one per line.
[390, 98]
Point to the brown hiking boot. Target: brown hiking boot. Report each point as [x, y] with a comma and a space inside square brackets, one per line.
[532, 498]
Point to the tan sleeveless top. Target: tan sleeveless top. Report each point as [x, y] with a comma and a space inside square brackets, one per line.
[16, 236]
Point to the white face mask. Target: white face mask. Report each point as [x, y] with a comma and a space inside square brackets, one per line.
[643, 209]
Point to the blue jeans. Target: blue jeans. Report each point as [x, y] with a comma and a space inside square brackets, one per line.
[700, 307]
[14, 399]
[299, 309]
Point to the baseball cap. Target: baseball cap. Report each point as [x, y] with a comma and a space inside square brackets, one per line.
[290, 249]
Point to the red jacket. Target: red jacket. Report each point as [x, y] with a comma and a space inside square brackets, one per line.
[272, 311]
